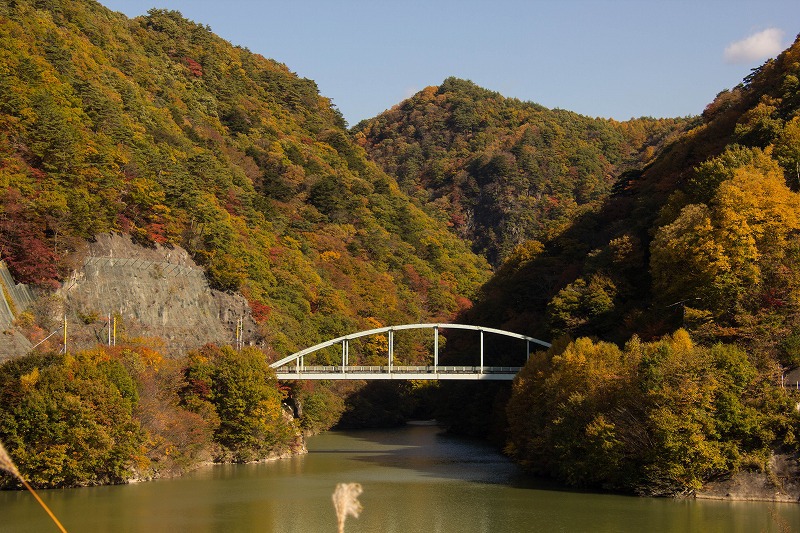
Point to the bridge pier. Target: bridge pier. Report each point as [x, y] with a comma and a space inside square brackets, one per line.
[391, 349]
[436, 349]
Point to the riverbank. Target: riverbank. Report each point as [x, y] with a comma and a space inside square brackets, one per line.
[780, 484]
[297, 449]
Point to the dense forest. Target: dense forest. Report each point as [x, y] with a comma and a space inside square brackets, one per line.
[662, 256]
[501, 171]
[156, 128]
[693, 264]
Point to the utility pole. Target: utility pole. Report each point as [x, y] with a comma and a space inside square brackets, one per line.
[65, 333]
[239, 333]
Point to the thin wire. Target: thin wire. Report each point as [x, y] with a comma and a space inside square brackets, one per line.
[41, 341]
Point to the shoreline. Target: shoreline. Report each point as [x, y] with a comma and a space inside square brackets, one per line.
[751, 487]
[295, 451]
[779, 483]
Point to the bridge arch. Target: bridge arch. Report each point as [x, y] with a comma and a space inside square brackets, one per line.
[430, 372]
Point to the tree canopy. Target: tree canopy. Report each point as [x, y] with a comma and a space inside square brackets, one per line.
[157, 128]
[501, 171]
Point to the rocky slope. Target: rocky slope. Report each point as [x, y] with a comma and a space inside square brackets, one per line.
[14, 300]
[782, 484]
[154, 292]
[150, 292]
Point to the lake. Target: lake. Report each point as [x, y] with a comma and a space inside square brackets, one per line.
[415, 479]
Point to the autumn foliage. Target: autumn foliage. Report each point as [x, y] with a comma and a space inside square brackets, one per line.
[502, 171]
[112, 415]
[678, 239]
[658, 418]
[158, 128]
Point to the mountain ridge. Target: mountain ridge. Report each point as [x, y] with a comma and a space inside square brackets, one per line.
[502, 171]
[156, 128]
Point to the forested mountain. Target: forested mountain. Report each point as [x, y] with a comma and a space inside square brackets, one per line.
[693, 264]
[157, 128]
[625, 232]
[501, 171]
[704, 236]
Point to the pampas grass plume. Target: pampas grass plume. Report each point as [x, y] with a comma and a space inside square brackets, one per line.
[345, 501]
[6, 463]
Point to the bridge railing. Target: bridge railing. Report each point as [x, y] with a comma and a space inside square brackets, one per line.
[429, 369]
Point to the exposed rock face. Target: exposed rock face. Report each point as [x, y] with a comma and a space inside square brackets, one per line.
[14, 299]
[149, 292]
[153, 292]
[13, 344]
[782, 484]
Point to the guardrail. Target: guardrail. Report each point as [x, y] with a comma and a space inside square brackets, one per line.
[360, 372]
[402, 369]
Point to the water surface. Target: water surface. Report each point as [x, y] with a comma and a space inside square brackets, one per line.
[415, 479]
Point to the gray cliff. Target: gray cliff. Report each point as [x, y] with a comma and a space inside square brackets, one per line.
[149, 292]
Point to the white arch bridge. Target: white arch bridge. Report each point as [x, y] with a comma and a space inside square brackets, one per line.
[293, 366]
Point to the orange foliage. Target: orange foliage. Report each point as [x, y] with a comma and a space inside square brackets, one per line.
[260, 311]
[195, 68]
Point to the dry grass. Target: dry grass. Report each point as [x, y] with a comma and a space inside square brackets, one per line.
[345, 501]
[7, 465]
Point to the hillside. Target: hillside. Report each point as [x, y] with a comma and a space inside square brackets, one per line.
[500, 171]
[704, 236]
[153, 171]
[661, 256]
[675, 309]
[158, 129]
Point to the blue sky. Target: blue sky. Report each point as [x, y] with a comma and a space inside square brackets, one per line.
[617, 59]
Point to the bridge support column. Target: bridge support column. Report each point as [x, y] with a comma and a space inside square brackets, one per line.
[481, 351]
[436, 349]
[391, 349]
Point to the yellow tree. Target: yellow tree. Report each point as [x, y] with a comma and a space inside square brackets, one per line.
[717, 252]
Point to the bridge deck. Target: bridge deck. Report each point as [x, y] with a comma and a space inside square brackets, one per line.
[494, 373]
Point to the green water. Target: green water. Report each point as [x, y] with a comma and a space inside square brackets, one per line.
[415, 479]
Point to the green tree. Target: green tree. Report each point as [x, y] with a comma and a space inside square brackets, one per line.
[244, 392]
[580, 303]
[787, 152]
[68, 420]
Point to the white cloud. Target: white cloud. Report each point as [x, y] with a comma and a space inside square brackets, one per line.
[761, 45]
